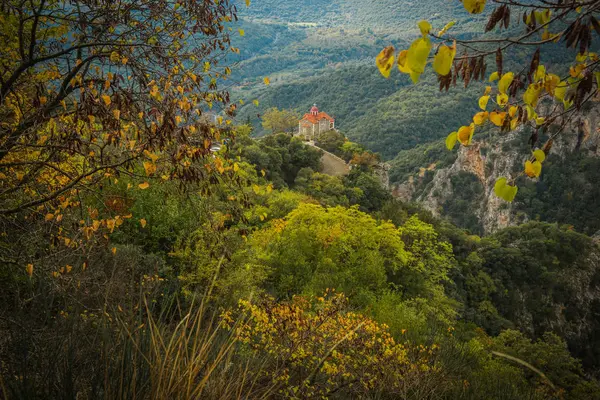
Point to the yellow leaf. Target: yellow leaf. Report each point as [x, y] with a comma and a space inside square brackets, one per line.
[502, 99]
[488, 90]
[29, 270]
[144, 185]
[497, 118]
[49, 217]
[483, 101]
[514, 123]
[494, 76]
[465, 134]
[451, 140]
[540, 73]
[68, 268]
[247, 3]
[385, 60]
[114, 250]
[540, 121]
[446, 28]
[255, 102]
[539, 155]
[544, 16]
[143, 222]
[424, 27]
[242, 32]
[532, 94]
[505, 82]
[474, 6]
[531, 114]
[551, 81]
[402, 62]
[416, 59]
[512, 111]
[533, 169]
[576, 71]
[267, 81]
[236, 167]
[505, 191]
[442, 63]
[480, 118]
[110, 224]
[106, 99]
[151, 156]
[117, 114]
[149, 167]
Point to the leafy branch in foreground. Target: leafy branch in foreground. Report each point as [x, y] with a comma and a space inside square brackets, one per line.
[90, 90]
[528, 96]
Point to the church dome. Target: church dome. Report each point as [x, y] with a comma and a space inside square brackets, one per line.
[314, 110]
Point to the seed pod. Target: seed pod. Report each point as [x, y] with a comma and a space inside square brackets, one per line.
[535, 62]
[548, 146]
[533, 138]
[495, 17]
[499, 61]
[506, 16]
[595, 24]
[483, 68]
[584, 87]
[477, 68]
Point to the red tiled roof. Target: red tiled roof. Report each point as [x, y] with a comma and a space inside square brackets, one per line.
[314, 119]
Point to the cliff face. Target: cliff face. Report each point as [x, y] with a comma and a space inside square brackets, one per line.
[485, 161]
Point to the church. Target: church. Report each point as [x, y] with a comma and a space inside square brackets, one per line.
[314, 123]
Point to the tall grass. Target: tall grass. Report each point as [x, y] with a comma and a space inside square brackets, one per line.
[191, 357]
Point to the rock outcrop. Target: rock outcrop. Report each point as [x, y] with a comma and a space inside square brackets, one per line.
[490, 159]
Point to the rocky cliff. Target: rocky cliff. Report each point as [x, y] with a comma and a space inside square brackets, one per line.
[464, 189]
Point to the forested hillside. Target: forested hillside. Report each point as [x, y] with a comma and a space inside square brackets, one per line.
[325, 56]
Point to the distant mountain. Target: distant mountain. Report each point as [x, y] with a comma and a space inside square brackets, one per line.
[323, 52]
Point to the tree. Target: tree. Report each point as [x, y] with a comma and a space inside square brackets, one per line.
[549, 101]
[278, 121]
[331, 141]
[316, 248]
[96, 93]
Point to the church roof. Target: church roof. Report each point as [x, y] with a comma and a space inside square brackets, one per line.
[314, 119]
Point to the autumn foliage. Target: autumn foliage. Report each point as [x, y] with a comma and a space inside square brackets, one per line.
[531, 98]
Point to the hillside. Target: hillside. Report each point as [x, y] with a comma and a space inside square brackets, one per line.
[329, 60]
[459, 185]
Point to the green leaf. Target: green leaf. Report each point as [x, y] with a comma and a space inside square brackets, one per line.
[425, 27]
[451, 140]
[505, 191]
[442, 63]
[539, 155]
